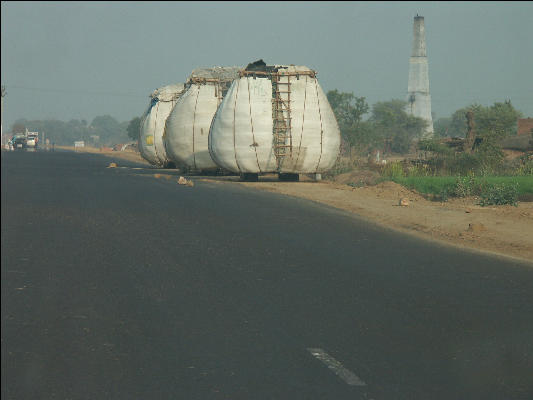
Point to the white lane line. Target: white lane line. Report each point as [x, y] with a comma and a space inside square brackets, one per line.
[346, 375]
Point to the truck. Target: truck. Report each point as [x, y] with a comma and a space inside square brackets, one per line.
[24, 141]
[18, 142]
[32, 139]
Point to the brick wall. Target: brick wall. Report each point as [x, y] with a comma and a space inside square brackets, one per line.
[525, 125]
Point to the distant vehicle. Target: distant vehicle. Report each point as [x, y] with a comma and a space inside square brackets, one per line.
[24, 141]
[32, 139]
[19, 142]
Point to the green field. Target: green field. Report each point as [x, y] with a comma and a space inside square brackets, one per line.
[436, 184]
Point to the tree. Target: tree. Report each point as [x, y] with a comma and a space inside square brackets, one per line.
[498, 120]
[392, 122]
[108, 129]
[491, 123]
[18, 127]
[134, 128]
[441, 126]
[349, 111]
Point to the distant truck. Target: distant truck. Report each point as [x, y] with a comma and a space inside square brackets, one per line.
[32, 139]
[24, 141]
[18, 142]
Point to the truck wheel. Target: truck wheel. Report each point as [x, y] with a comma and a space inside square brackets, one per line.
[285, 177]
[249, 177]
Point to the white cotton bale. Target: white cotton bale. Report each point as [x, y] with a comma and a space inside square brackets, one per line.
[151, 145]
[241, 134]
[241, 138]
[187, 127]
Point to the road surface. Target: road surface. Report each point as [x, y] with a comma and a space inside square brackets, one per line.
[119, 285]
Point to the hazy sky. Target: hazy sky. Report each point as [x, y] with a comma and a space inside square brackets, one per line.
[77, 60]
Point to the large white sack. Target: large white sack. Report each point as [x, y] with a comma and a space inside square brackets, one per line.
[187, 127]
[241, 136]
[240, 139]
[151, 145]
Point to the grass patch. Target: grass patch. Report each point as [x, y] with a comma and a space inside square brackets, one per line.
[443, 187]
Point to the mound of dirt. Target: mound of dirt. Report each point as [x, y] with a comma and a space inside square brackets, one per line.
[358, 177]
[394, 191]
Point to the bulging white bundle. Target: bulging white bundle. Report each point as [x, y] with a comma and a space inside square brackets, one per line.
[275, 119]
[151, 145]
[187, 127]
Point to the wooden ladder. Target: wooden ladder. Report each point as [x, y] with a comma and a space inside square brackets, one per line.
[281, 117]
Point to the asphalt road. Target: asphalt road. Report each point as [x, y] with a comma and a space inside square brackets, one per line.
[118, 285]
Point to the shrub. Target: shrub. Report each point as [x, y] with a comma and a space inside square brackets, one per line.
[499, 194]
[525, 166]
[466, 186]
[444, 194]
[341, 166]
[418, 170]
[393, 170]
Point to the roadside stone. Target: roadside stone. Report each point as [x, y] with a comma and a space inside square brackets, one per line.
[404, 202]
[476, 227]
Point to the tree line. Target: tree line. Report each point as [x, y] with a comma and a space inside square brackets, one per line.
[103, 130]
[388, 125]
[383, 126]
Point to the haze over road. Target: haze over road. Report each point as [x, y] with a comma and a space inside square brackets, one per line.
[118, 285]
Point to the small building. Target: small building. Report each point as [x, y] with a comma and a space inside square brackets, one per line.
[525, 126]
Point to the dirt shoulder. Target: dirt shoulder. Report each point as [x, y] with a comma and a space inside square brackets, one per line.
[502, 230]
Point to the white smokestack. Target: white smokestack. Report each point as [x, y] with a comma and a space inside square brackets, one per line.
[418, 97]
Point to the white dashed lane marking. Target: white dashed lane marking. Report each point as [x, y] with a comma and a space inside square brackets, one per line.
[345, 374]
